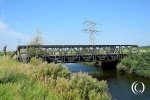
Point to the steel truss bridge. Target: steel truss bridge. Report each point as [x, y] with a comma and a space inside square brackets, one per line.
[74, 53]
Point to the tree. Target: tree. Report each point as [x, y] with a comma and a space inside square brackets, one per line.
[37, 39]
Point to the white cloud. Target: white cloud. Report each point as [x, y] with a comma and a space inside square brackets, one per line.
[6, 30]
[3, 26]
[9, 36]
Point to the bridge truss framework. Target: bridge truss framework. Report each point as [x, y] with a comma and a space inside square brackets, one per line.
[74, 53]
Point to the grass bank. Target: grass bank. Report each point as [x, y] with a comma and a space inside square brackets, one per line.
[41, 81]
[87, 63]
[138, 64]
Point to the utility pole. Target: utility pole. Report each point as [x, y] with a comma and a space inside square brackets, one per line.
[90, 30]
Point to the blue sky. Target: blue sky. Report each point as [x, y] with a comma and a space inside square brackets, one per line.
[60, 21]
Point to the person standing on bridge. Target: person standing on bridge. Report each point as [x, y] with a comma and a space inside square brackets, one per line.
[4, 50]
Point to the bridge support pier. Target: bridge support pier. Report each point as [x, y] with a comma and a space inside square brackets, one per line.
[98, 63]
[109, 65]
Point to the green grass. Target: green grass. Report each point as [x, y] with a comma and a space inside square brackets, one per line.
[41, 81]
[2, 54]
[144, 49]
[137, 63]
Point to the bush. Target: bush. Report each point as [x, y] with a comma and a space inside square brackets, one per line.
[53, 70]
[137, 63]
[40, 80]
[85, 84]
[9, 91]
[11, 77]
[79, 87]
[9, 74]
[36, 62]
[30, 90]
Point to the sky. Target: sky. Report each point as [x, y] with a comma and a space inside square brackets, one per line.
[61, 21]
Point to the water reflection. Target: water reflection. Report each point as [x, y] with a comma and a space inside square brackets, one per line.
[74, 67]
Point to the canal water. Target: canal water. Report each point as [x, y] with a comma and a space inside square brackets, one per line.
[119, 83]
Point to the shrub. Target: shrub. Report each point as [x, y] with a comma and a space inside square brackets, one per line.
[36, 62]
[9, 91]
[53, 70]
[47, 81]
[79, 87]
[10, 75]
[99, 96]
[85, 83]
[137, 63]
[30, 90]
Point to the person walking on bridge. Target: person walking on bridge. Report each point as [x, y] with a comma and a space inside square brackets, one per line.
[4, 50]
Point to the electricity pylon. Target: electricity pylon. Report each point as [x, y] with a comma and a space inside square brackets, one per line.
[91, 30]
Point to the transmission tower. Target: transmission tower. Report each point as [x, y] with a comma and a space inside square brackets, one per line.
[90, 30]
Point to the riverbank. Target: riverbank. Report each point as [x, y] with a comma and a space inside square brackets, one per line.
[88, 63]
[138, 64]
[39, 80]
[116, 81]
